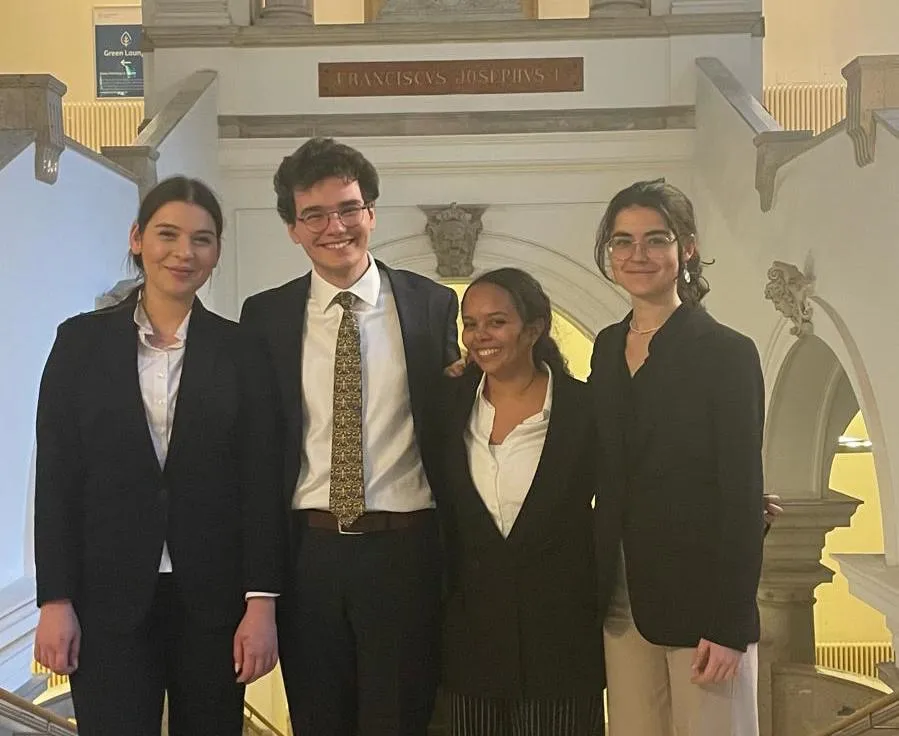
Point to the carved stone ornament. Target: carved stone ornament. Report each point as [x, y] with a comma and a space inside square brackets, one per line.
[117, 293]
[790, 290]
[454, 233]
[34, 102]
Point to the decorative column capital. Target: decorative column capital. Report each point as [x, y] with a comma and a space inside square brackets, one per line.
[117, 293]
[34, 102]
[873, 84]
[289, 12]
[792, 566]
[789, 289]
[454, 233]
[618, 7]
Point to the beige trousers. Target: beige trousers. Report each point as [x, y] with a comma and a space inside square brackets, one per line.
[650, 694]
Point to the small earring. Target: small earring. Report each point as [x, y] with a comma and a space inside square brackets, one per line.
[687, 276]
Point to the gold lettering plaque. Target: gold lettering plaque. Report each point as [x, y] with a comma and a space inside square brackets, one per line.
[456, 77]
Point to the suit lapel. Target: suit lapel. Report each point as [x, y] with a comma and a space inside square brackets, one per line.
[121, 358]
[200, 353]
[466, 495]
[414, 326]
[566, 421]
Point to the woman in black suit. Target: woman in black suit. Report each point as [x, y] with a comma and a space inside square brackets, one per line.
[158, 529]
[680, 401]
[522, 643]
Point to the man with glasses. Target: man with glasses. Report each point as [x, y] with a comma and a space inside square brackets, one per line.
[359, 349]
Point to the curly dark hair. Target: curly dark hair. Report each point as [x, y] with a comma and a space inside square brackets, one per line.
[677, 210]
[316, 160]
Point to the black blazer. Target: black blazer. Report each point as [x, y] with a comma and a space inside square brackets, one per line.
[427, 313]
[522, 615]
[104, 507]
[682, 464]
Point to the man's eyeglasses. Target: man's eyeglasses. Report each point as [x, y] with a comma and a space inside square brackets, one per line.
[352, 215]
[622, 247]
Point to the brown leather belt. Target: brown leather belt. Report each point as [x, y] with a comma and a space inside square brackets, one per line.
[373, 521]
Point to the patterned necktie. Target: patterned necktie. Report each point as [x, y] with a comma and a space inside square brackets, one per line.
[347, 500]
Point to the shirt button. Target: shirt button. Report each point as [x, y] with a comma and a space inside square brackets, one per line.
[161, 402]
[160, 375]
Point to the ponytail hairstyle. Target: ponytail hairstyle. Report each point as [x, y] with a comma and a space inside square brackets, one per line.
[676, 210]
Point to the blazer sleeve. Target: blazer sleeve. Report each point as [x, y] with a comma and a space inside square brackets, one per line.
[260, 446]
[738, 407]
[59, 474]
[451, 351]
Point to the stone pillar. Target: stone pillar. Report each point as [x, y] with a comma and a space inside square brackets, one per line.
[292, 12]
[34, 102]
[189, 13]
[618, 7]
[873, 84]
[791, 571]
[139, 160]
[430, 11]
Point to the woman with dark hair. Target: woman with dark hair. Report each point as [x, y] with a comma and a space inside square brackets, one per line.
[522, 643]
[680, 402]
[158, 530]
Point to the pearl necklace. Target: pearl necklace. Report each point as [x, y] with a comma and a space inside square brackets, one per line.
[643, 332]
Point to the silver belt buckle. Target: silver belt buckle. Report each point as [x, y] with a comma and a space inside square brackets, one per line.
[341, 530]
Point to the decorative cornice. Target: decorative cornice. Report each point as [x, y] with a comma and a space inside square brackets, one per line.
[485, 122]
[34, 101]
[789, 289]
[774, 148]
[73, 145]
[387, 34]
[873, 84]
[137, 159]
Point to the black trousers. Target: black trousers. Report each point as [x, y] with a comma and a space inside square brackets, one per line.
[574, 716]
[122, 677]
[359, 630]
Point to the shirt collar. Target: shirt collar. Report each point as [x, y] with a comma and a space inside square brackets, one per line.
[485, 408]
[145, 328]
[366, 289]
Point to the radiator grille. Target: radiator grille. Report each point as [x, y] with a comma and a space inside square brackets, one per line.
[814, 107]
[860, 658]
[103, 123]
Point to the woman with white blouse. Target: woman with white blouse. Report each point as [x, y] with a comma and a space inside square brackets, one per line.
[522, 645]
[159, 531]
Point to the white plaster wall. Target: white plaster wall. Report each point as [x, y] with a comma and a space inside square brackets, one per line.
[832, 217]
[545, 193]
[812, 40]
[61, 246]
[646, 72]
[191, 149]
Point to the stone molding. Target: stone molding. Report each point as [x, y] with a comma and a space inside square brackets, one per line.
[34, 102]
[440, 11]
[190, 12]
[773, 149]
[790, 290]
[453, 231]
[492, 122]
[607, 8]
[387, 34]
[12, 143]
[139, 160]
[873, 84]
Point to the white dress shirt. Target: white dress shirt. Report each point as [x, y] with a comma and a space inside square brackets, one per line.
[393, 474]
[503, 473]
[159, 372]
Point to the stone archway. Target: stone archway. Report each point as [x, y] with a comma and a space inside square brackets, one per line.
[576, 289]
